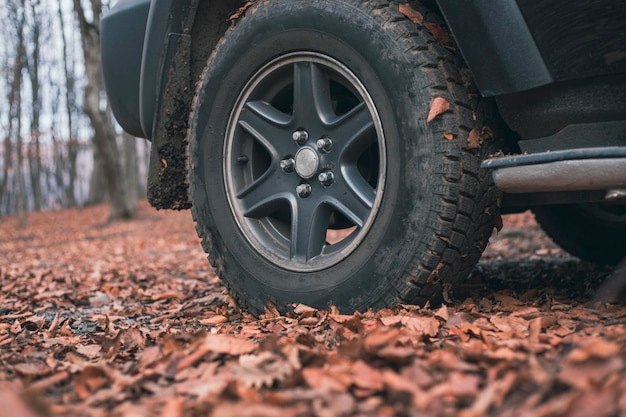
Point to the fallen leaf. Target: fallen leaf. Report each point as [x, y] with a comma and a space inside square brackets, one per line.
[367, 377]
[229, 345]
[440, 34]
[593, 348]
[474, 140]
[90, 380]
[510, 324]
[90, 351]
[439, 106]
[589, 374]
[242, 10]
[32, 369]
[262, 370]
[219, 319]
[320, 379]
[458, 384]
[413, 15]
[379, 338]
[428, 326]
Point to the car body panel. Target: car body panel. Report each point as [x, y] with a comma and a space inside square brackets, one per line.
[496, 44]
[122, 32]
[557, 71]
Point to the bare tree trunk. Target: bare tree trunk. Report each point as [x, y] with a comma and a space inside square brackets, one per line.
[8, 151]
[15, 110]
[97, 180]
[104, 134]
[131, 170]
[34, 150]
[70, 105]
[21, 207]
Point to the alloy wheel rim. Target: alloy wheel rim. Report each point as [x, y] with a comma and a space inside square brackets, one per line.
[304, 160]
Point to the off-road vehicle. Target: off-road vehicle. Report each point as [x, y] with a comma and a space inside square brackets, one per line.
[359, 152]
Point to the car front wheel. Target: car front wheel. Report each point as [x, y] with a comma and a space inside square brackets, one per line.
[317, 176]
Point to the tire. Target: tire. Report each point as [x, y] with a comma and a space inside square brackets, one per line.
[310, 124]
[592, 232]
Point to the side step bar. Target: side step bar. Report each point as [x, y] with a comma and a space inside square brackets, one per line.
[584, 169]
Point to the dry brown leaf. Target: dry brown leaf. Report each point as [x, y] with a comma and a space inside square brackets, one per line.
[379, 338]
[90, 351]
[173, 407]
[396, 354]
[262, 370]
[440, 34]
[589, 374]
[391, 320]
[218, 319]
[439, 106]
[248, 409]
[474, 140]
[242, 10]
[367, 377]
[320, 379]
[428, 326]
[510, 324]
[492, 395]
[304, 309]
[173, 295]
[506, 299]
[32, 369]
[229, 345]
[458, 384]
[45, 383]
[413, 15]
[397, 382]
[594, 348]
[90, 380]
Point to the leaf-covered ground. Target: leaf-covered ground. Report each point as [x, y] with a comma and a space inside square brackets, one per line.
[128, 319]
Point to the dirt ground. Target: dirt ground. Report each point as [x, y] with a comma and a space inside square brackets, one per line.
[128, 319]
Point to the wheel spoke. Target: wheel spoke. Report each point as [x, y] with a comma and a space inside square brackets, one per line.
[354, 132]
[267, 125]
[309, 224]
[311, 98]
[356, 197]
[265, 195]
[304, 150]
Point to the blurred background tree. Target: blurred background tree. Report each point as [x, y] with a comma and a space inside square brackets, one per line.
[60, 144]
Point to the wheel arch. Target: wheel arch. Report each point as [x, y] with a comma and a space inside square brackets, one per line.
[497, 45]
[177, 46]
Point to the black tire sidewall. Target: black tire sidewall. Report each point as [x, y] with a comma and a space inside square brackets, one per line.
[335, 29]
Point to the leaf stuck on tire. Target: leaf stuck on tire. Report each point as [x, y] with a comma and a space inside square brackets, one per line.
[439, 106]
[413, 15]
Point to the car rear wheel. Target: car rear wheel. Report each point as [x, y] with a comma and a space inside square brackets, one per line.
[316, 177]
[591, 232]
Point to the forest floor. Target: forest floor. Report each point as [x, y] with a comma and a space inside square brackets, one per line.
[127, 319]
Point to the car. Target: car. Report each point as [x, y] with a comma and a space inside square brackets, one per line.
[360, 153]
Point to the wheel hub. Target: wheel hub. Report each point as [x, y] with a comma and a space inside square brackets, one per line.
[307, 162]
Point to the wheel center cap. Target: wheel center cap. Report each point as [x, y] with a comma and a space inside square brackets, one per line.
[307, 162]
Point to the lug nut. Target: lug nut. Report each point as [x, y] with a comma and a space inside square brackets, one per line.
[300, 136]
[288, 165]
[326, 178]
[325, 145]
[304, 190]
